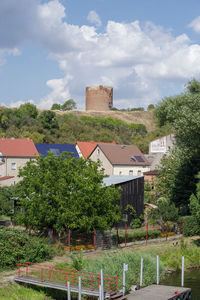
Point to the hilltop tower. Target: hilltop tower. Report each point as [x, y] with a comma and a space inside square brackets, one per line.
[99, 98]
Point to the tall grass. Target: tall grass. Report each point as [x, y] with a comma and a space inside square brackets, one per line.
[112, 264]
[171, 258]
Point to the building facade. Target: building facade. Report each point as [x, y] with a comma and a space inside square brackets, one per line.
[120, 159]
[14, 154]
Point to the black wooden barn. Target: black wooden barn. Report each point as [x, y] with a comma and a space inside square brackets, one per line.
[132, 193]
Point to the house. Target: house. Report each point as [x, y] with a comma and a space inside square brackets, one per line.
[158, 148]
[162, 145]
[132, 193]
[84, 149]
[14, 154]
[57, 149]
[120, 159]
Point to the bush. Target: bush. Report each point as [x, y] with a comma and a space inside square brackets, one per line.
[17, 247]
[138, 235]
[191, 227]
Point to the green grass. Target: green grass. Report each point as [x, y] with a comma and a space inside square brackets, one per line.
[17, 292]
[171, 258]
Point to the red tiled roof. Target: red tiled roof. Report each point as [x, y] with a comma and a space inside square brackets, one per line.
[17, 147]
[5, 177]
[88, 147]
[124, 155]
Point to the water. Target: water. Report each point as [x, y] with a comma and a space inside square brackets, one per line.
[191, 280]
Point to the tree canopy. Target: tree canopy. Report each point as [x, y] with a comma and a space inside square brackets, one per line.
[178, 174]
[68, 105]
[63, 192]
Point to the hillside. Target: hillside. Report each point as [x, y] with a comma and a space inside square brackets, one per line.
[68, 127]
[137, 117]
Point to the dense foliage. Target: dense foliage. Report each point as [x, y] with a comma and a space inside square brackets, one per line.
[65, 193]
[178, 173]
[191, 226]
[18, 246]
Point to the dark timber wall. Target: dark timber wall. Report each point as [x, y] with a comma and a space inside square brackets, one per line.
[133, 194]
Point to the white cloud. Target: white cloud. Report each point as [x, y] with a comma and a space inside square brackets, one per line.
[195, 25]
[138, 61]
[94, 18]
[59, 94]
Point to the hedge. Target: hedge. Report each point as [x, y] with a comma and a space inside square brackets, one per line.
[139, 235]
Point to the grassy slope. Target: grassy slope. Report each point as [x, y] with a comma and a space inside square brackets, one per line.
[137, 117]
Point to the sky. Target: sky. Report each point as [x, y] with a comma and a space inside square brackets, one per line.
[50, 50]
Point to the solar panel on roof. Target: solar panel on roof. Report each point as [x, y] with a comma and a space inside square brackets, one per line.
[139, 158]
[55, 151]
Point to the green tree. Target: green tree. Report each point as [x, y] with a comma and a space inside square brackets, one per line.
[178, 172]
[48, 119]
[195, 202]
[63, 192]
[164, 212]
[28, 110]
[193, 86]
[150, 107]
[69, 105]
[7, 197]
[56, 106]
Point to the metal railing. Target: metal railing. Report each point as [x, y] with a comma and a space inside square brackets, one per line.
[89, 280]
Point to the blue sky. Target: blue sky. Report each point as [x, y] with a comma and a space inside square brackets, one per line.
[51, 50]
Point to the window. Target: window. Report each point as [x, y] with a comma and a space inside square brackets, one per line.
[131, 172]
[139, 172]
[98, 152]
[13, 166]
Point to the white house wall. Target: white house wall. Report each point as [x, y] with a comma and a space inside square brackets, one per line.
[6, 167]
[125, 170]
[98, 154]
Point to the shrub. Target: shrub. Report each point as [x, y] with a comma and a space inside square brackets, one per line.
[78, 261]
[191, 227]
[17, 246]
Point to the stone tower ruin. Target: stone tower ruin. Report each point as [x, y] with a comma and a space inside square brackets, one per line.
[99, 98]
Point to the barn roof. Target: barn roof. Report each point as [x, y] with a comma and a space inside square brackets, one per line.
[117, 179]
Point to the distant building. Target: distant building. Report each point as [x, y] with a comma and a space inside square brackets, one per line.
[132, 194]
[57, 149]
[157, 149]
[14, 154]
[120, 159]
[162, 145]
[84, 149]
[99, 98]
